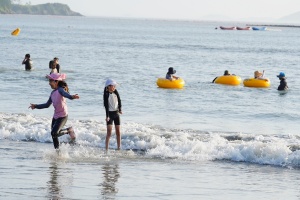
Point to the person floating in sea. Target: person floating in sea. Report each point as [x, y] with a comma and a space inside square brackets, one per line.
[57, 98]
[226, 73]
[283, 84]
[170, 74]
[113, 109]
[259, 75]
[27, 62]
[55, 62]
[53, 68]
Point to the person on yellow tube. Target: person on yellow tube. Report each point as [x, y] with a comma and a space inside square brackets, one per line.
[170, 74]
[259, 75]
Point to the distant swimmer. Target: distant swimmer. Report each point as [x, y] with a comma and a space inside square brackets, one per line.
[283, 84]
[259, 75]
[27, 62]
[170, 74]
[57, 98]
[55, 62]
[53, 68]
[226, 73]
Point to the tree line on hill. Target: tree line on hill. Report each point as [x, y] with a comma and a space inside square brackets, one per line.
[14, 7]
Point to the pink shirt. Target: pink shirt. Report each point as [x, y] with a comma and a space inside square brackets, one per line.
[57, 98]
[59, 104]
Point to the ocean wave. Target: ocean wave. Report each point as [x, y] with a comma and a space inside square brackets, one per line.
[156, 142]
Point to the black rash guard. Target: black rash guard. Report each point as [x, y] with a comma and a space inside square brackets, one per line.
[105, 100]
[283, 84]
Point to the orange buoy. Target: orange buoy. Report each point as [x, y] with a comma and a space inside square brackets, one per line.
[16, 32]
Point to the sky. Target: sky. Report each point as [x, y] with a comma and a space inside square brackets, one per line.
[261, 10]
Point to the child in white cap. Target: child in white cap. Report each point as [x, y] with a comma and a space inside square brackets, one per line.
[113, 107]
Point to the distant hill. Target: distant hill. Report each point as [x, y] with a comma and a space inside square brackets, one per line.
[293, 18]
[6, 7]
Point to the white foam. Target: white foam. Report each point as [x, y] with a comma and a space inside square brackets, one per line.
[155, 142]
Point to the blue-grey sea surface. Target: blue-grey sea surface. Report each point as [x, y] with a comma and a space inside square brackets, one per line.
[206, 141]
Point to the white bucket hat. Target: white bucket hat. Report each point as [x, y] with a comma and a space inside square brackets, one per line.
[110, 82]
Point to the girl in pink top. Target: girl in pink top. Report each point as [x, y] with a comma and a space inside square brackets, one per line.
[57, 98]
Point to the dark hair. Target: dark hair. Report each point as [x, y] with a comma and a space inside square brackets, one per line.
[171, 70]
[226, 72]
[27, 55]
[64, 85]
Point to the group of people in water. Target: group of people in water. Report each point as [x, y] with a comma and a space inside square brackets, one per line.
[257, 75]
[260, 75]
[58, 95]
[53, 64]
[111, 100]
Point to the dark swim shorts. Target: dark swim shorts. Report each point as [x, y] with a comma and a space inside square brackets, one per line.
[114, 117]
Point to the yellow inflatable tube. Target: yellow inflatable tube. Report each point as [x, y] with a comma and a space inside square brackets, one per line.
[259, 83]
[166, 83]
[228, 80]
[16, 32]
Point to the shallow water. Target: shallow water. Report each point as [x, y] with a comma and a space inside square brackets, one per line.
[206, 140]
[126, 175]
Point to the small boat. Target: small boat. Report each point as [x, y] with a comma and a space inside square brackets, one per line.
[245, 28]
[228, 80]
[166, 83]
[16, 32]
[258, 83]
[228, 28]
[259, 28]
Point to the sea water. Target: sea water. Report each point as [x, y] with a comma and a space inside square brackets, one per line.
[206, 141]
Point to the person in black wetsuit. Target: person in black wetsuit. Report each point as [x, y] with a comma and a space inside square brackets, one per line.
[57, 65]
[27, 62]
[283, 83]
[113, 109]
